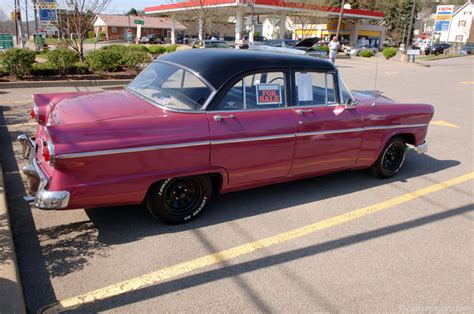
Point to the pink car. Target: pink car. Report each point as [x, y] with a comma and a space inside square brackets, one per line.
[200, 122]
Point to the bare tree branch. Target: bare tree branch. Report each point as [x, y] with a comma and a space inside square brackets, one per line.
[76, 18]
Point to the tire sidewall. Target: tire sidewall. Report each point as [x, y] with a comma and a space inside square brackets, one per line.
[156, 199]
[380, 170]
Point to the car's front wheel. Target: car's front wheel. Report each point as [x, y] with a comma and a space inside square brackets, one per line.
[391, 159]
[178, 200]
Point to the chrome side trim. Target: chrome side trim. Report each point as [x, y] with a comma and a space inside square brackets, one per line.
[252, 139]
[386, 127]
[227, 141]
[329, 132]
[131, 150]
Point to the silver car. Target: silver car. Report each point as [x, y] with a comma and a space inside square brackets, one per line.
[355, 51]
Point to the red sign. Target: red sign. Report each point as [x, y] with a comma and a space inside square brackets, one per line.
[268, 94]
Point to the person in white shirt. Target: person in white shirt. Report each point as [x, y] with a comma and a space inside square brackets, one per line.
[333, 48]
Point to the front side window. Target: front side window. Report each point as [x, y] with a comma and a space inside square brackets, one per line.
[171, 87]
[314, 89]
[256, 91]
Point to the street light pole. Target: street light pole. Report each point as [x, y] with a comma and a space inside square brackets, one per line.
[411, 24]
[340, 19]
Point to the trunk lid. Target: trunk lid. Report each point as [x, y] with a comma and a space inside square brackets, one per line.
[100, 107]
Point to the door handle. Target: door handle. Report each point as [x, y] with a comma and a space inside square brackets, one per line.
[303, 111]
[218, 117]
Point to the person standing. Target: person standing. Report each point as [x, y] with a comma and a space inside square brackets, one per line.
[333, 48]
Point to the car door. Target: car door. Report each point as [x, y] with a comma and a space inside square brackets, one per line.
[329, 134]
[252, 128]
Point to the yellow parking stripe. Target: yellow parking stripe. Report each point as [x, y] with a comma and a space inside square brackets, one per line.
[216, 258]
[444, 123]
[472, 83]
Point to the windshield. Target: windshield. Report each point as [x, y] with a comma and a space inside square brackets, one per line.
[346, 95]
[216, 44]
[291, 43]
[172, 87]
[273, 43]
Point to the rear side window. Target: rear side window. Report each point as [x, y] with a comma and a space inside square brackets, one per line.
[314, 89]
[172, 87]
[256, 91]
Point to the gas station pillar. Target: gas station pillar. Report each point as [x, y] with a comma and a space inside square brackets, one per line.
[282, 26]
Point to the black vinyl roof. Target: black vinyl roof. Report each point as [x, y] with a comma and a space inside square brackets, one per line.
[219, 65]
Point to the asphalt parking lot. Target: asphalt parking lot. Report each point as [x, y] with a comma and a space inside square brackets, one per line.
[341, 242]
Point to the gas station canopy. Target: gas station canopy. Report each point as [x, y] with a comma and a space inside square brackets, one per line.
[240, 8]
[262, 7]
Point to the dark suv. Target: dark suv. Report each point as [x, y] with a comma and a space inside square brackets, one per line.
[437, 49]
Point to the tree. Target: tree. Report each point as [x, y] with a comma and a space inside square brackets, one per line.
[198, 17]
[132, 12]
[305, 15]
[77, 18]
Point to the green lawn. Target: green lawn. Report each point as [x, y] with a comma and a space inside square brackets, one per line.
[438, 57]
[55, 41]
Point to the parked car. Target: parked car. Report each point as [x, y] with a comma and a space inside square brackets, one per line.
[437, 49]
[151, 39]
[307, 44]
[210, 44]
[467, 49]
[199, 122]
[283, 43]
[355, 51]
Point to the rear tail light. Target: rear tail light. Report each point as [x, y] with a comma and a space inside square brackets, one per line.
[46, 152]
[34, 113]
[48, 149]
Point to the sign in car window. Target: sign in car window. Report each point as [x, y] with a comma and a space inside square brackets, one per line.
[268, 94]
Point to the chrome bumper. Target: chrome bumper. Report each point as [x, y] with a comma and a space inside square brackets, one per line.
[420, 149]
[39, 196]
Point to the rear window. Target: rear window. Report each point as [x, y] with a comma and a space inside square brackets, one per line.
[172, 87]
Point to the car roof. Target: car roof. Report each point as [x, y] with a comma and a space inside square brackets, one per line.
[219, 65]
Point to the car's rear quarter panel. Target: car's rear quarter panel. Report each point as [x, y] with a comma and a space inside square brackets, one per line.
[124, 178]
[383, 121]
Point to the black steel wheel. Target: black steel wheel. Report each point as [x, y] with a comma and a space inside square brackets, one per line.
[178, 200]
[391, 158]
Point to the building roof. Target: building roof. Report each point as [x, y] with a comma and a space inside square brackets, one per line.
[217, 66]
[458, 9]
[126, 21]
[262, 7]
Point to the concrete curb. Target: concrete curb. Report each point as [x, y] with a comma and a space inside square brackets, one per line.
[11, 300]
[69, 83]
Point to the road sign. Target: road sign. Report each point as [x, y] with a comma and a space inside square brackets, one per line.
[139, 22]
[6, 41]
[48, 11]
[443, 17]
[412, 52]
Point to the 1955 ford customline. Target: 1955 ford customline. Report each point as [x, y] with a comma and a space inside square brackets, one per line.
[199, 122]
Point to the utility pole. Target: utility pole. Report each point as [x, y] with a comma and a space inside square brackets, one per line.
[26, 16]
[35, 7]
[410, 25]
[19, 24]
[340, 19]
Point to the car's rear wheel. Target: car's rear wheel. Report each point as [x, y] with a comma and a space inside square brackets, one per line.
[178, 200]
[391, 159]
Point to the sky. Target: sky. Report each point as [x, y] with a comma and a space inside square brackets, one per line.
[120, 6]
[116, 6]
